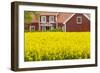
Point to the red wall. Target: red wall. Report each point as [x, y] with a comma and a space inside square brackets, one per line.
[26, 26]
[36, 26]
[72, 26]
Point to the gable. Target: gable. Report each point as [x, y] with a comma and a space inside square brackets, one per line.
[86, 16]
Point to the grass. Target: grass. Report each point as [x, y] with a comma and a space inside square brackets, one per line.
[41, 46]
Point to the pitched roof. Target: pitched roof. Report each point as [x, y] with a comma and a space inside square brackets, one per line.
[63, 17]
[87, 15]
[48, 13]
[69, 17]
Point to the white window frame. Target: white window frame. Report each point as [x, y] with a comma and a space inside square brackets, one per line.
[43, 19]
[32, 26]
[50, 19]
[79, 17]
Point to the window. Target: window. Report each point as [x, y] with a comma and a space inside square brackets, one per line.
[51, 19]
[43, 19]
[32, 28]
[79, 19]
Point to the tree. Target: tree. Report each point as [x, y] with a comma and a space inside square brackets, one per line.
[27, 17]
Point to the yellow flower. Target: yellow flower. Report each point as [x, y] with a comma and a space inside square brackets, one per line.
[56, 45]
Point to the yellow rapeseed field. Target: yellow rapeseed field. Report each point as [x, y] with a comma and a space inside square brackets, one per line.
[40, 46]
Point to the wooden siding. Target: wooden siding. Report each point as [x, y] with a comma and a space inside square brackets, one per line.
[60, 24]
[72, 26]
[26, 27]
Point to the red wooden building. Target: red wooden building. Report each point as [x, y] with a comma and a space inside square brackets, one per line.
[71, 22]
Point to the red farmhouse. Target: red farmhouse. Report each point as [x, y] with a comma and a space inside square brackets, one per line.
[68, 22]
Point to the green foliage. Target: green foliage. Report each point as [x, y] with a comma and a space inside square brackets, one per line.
[27, 17]
[56, 30]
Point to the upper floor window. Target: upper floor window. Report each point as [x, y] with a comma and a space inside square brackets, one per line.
[79, 19]
[43, 19]
[51, 19]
